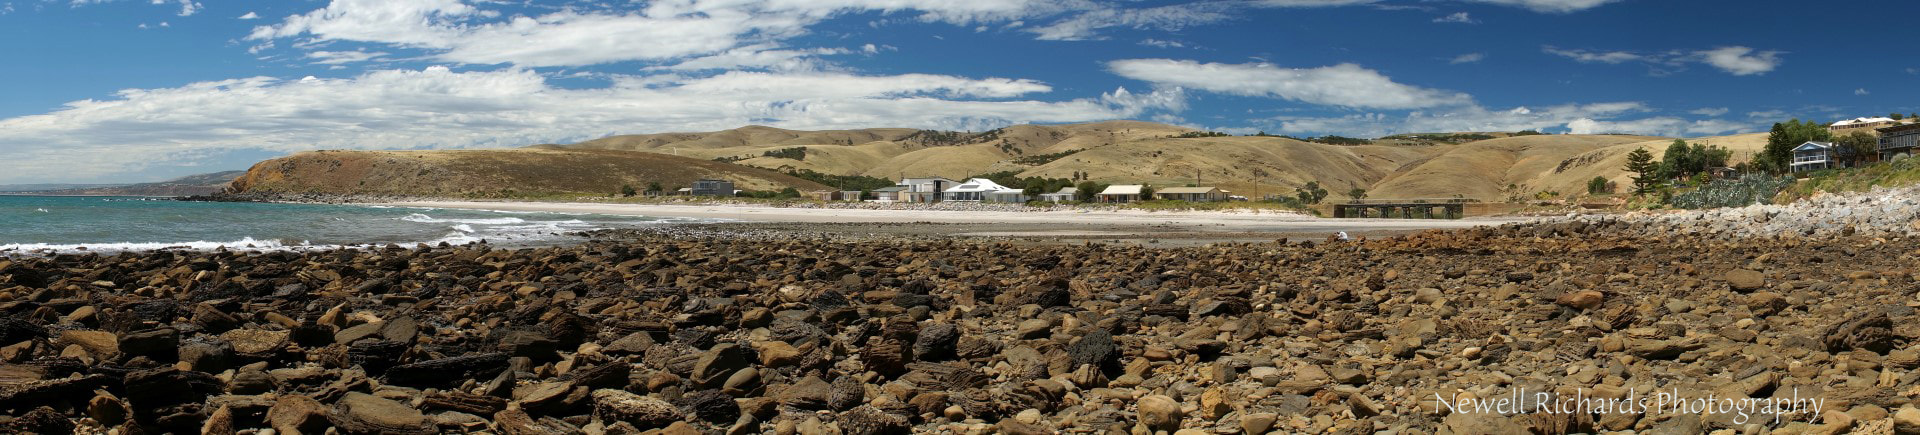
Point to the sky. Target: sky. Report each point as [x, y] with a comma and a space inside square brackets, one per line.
[102, 91]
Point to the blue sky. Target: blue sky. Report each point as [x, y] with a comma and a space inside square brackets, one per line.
[136, 90]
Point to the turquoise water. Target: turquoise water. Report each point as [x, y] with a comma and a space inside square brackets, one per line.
[42, 223]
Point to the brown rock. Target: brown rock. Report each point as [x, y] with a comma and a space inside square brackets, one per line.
[1745, 279]
[1160, 412]
[361, 413]
[295, 414]
[1581, 300]
[642, 411]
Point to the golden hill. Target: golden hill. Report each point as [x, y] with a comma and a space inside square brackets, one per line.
[494, 173]
[1401, 166]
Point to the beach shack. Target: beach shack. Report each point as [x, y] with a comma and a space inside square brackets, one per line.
[1119, 193]
[1191, 194]
[1065, 194]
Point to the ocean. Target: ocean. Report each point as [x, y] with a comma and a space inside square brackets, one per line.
[40, 224]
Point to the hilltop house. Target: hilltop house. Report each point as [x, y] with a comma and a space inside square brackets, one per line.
[1898, 141]
[1814, 156]
[1191, 194]
[1861, 123]
[1121, 193]
[1065, 194]
[710, 187]
[924, 189]
[981, 189]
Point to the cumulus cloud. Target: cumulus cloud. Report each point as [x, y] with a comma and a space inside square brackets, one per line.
[1736, 60]
[1457, 17]
[1468, 58]
[1574, 118]
[343, 57]
[249, 16]
[1710, 111]
[1087, 25]
[1550, 6]
[440, 108]
[1861, 91]
[455, 31]
[1150, 42]
[1345, 85]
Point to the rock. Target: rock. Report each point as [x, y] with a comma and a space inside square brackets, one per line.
[218, 423]
[357, 333]
[641, 411]
[1032, 328]
[1872, 331]
[1160, 412]
[1745, 279]
[99, 344]
[160, 344]
[1906, 421]
[776, 354]
[718, 363]
[632, 344]
[867, 420]
[1581, 300]
[1214, 404]
[1257, 423]
[1096, 349]
[936, 342]
[530, 344]
[361, 413]
[711, 406]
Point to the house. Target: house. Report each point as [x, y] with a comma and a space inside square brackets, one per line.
[888, 194]
[711, 187]
[1065, 194]
[1898, 141]
[1191, 194]
[834, 195]
[1814, 156]
[1861, 123]
[1121, 193]
[976, 189]
[924, 189]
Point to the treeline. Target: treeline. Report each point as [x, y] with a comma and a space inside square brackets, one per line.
[1041, 159]
[795, 153]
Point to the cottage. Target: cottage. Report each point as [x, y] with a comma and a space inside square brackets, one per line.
[888, 194]
[710, 187]
[1898, 141]
[1065, 194]
[1121, 193]
[924, 189]
[976, 189]
[834, 195]
[1192, 194]
[1861, 123]
[1814, 156]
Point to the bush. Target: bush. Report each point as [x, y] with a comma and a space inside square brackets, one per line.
[1599, 185]
[796, 153]
[627, 190]
[1733, 192]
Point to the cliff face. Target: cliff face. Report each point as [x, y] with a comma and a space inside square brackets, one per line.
[493, 173]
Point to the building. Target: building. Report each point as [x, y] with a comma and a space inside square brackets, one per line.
[976, 189]
[1814, 156]
[710, 187]
[1858, 123]
[1191, 194]
[888, 194]
[1121, 193]
[834, 195]
[924, 189]
[1898, 141]
[1065, 194]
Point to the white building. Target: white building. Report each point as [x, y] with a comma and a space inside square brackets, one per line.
[924, 189]
[981, 189]
[1065, 194]
[1122, 193]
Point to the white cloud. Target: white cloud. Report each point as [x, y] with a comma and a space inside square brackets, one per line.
[1457, 17]
[1736, 60]
[1150, 42]
[1575, 118]
[343, 57]
[1710, 111]
[1087, 25]
[762, 56]
[1346, 85]
[1311, 3]
[187, 7]
[1913, 70]
[1468, 58]
[1660, 126]
[1550, 6]
[1741, 61]
[1768, 114]
[249, 16]
[441, 108]
[455, 31]
[1861, 91]
[1591, 56]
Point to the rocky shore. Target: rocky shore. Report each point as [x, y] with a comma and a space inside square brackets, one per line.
[1890, 212]
[718, 334]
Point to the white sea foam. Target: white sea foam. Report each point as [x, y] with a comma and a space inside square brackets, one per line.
[463, 228]
[421, 218]
[244, 244]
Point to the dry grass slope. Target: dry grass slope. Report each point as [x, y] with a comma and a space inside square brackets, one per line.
[494, 173]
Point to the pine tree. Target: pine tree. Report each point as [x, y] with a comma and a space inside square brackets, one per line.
[1640, 162]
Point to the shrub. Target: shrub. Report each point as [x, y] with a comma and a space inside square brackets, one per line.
[1599, 185]
[1733, 192]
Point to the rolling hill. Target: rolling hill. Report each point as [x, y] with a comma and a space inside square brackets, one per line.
[201, 184]
[494, 173]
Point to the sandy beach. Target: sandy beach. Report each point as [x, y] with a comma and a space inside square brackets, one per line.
[1074, 224]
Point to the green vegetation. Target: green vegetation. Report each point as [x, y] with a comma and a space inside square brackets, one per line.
[795, 153]
[1086, 190]
[627, 190]
[1528, 133]
[1197, 134]
[787, 193]
[843, 182]
[1778, 154]
[1901, 172]
[1311, 193]
[1682, 160]
[1357, 194]
[1451, 138]
[728, 159]
[1599, 185]
[1641, 164]
[1859, 147]
[1732, 192]
[654, 187]
[1339, 140]
[1041, 159]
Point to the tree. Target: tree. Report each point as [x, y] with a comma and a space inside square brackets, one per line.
[788, 193]
[1897, 116]
[1859, 147]
[654, 187]
[1086, 190]
[1777, 157]
[1641, 164]
[1035, 186]
[1357, 194]
[1146, 192]
[626, 190]
[1599, 185]
[1676, 162]
[1311, 193]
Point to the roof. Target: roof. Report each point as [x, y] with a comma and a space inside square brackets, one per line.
[1900, 128]
[1122, 189]
[1861, 121]
[1066, 191]
[890, 189]
[1203, 189]
[1813, 145]
[978, 185]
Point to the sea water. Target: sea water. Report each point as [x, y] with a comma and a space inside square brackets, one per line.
[72, 223]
